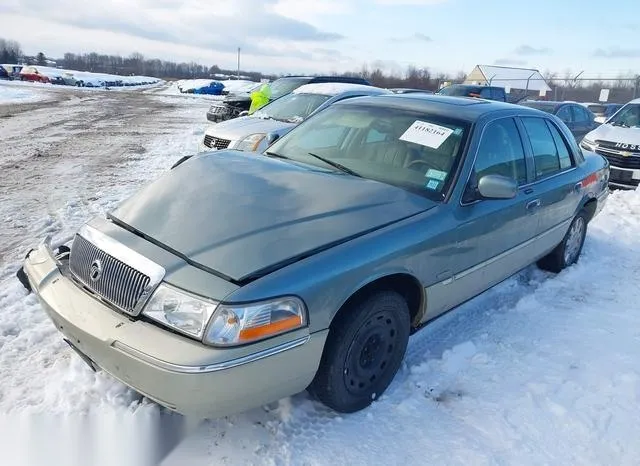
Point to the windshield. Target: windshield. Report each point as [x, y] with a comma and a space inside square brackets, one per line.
[408, 149]
[628, 116]
[292, 108]
[459, 90]
[545, 107]
[285, 86]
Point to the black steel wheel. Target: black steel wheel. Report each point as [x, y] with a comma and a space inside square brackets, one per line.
[363, 352]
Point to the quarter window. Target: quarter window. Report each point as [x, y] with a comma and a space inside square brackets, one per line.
[549, 156]
[501, 152]
[563, 150]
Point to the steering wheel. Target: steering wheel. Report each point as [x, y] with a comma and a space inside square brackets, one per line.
[423, 162]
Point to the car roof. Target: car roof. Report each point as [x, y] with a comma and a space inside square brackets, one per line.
[634, 101]
[463, 108]
[335, 88]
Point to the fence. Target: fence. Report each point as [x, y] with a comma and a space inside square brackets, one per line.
[582, 89]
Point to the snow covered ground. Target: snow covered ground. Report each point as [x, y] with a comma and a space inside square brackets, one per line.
[12, 93]
[541, 369]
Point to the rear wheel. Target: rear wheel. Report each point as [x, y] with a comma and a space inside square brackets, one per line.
[569, 250]
[363, 352]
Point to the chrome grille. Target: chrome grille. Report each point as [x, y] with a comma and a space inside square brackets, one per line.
[119, 284]
[617, 159]
[216, 143]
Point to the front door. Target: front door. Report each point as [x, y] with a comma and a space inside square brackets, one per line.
[492, 235]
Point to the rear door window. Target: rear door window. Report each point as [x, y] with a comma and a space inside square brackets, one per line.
[580, 115]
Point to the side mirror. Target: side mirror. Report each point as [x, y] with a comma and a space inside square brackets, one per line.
[272, 137]
[243, 113]
[497, 187]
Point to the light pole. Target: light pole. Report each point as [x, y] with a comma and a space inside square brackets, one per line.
[238, 62]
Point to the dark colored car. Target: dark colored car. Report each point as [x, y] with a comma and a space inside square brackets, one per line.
[578, 118]
[469, 90]
[233, 105]
[4, 74]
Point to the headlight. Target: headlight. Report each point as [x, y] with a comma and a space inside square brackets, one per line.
[587, 144]
[250, 143]
[180, 310]
[238, 324]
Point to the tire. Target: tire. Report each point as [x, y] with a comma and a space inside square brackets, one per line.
[569, 250]
[365, 347]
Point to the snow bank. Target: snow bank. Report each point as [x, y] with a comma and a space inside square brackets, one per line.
[94, 79]
[10, 93]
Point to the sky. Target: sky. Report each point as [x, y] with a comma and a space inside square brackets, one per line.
[315, 36]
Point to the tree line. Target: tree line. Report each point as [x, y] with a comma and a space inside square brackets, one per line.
[565, 86]
[10, 51]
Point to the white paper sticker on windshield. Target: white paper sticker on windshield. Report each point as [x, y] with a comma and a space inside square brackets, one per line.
[436, 174]
[426, 134]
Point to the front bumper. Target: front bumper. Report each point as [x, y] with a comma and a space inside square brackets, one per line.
[176, 372]
[624, 178]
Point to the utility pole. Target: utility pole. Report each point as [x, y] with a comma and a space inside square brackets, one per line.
[238, 62]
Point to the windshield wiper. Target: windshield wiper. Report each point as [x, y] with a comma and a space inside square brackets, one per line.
[337, 165]
[280, 156]
[617, 123]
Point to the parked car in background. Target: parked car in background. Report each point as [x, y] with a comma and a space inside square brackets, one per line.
[31, 73]
[602, 111]
[13, 71]
[579, 119]
[618, 140]
[407, 90]
[234, 280]
[469, 90]
[4, 74]
[233, 105]
[254, 132]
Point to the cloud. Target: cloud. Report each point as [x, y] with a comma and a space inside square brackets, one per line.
[617, 52]
[417, 36]
[527, 50]
[226, 25]
[509, 62]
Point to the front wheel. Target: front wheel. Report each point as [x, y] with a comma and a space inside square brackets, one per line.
[363, 352]
[569, 250]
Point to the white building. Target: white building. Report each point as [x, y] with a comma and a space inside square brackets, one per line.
[520, 79]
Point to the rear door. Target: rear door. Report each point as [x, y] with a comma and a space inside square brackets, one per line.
[555, 189]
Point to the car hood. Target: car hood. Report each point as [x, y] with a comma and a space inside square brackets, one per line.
[612, 133]
[240, 128]
[240, 215]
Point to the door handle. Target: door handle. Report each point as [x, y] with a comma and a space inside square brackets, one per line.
[577, 187]
[533, 205]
